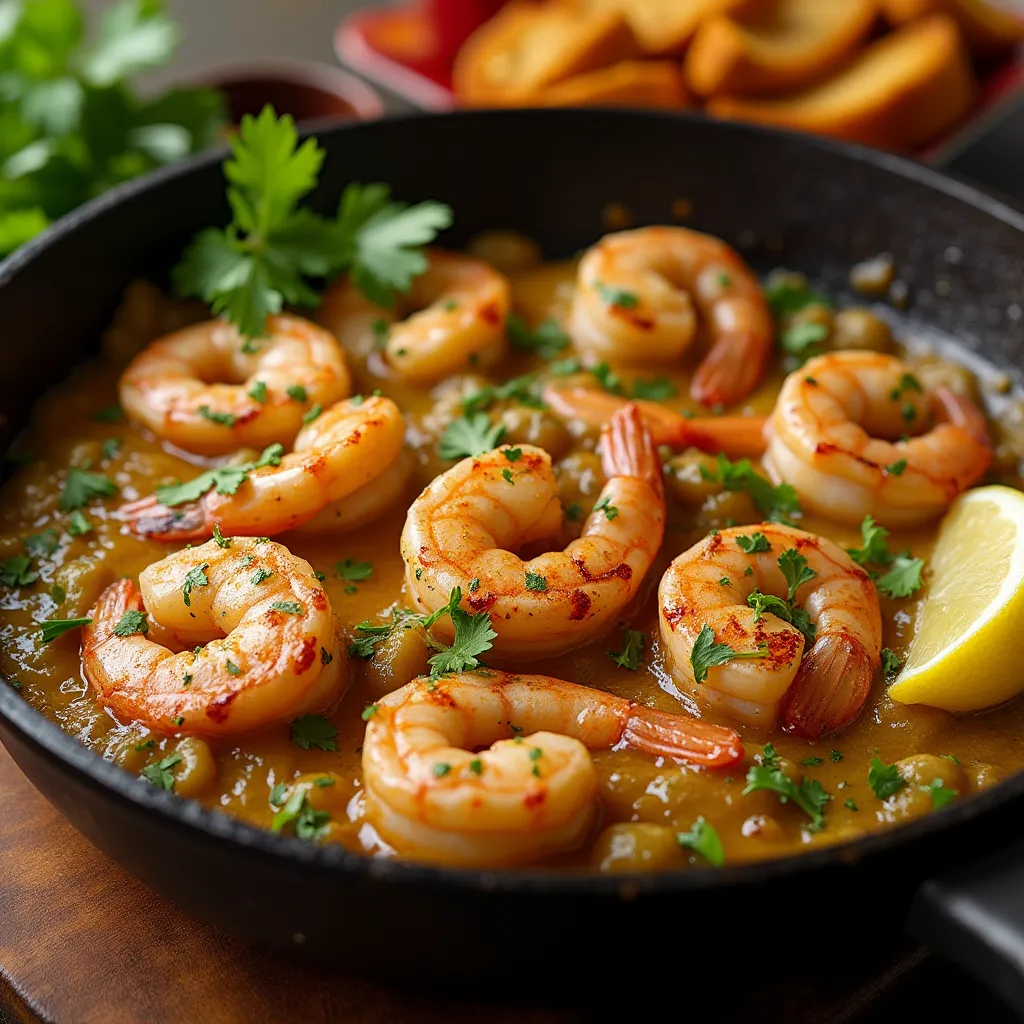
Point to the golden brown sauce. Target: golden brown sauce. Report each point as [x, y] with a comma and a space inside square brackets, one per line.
[237, 777]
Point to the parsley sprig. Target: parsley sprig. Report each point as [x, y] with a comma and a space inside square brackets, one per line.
[224, 480]
[777, 504]
[707, 653]
[809, 795]
[904, 576]
[273, 246]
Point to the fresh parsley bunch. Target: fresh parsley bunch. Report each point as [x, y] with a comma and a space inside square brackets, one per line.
[70, 126]
[273, 246]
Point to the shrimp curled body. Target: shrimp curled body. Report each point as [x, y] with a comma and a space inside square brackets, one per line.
[635, 297]
[271, 649]
[202, 390]
[833, 437]
[810, 689]
[464, 529]
[454, 319]
[346, 452]
[493, 769]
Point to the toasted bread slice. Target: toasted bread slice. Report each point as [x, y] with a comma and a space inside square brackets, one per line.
[797, 42]
[900, 92]
[529, 46]
[630, 83]
[666, 26]
[989, 31]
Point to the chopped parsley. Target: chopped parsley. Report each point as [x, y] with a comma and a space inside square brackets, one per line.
[891, 665]
[777, 504]
[159, 773]
[655, 389]
[703, 839]
[809, 796]
[194, 578]
[784, 297]
[258, 392]
[260, 575]
[512, 454]
[233, 669]
[132, 622]
[754, 543]
[81, 486]
[53, 628]
[546, 339]
[812, 762]
[534, 581]
[940, 794]
[224, 419]
[314, 731]
[896, 468]
[309, 824]
[850, 805]
[706, 653]
[506, 475]
[369, 711]
[58, 593]
[17, 571]
[325, 656]
[470, 436]
[904, 576]
[803, 340]
[616, 296]
[42, 544]
[289, 607]
[296, 392]
[836, 756]
[111, 448]
[884, 779]
[632, 654]
[221, 540]
[354, 572]
[312, 413]
[607, 378]
[441, 769]
[224, 480]
[605, 505]
[476, 766]
[473, 636]
[79, 524]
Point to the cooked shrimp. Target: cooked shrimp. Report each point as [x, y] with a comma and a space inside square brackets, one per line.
[491, 769]
[774, 675]
[464, 529]
[834, 433]
[271, 649]
[454, 319]
[635, 297]
[735, 436]
[203, 390]
[345, 450]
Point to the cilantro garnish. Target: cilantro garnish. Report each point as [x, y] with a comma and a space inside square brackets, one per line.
[632, 654]
[224, 542]
[159, 773]
[546, 339]
[258, 392]
[314, 731]
[904, 575]
[891, 664]
[607, 378]
[777, 504]
[754, 543]
[706, 653]
[17, 571]
[131, 623]
[473, 636]
[289, 607]
[272, 246]
[470, 436]
[81, 486]
[534, 581]
[260, 575]
[656, 389]
[940, 794]
[605, 505]
[194, 578]
[225, 480]
[309, 823]
[521, 389]
[296, 392]
[770, 757]
[111, 448]
[354, 572]
[809, 796]
[703, 839]
[53, 628]
[812, 762]
[42, 544]
[224, 419]
[785, 297]
[369, 711]
[794, 567]
[884, 779]
[803, 340]
[616, 296]
[896, 468]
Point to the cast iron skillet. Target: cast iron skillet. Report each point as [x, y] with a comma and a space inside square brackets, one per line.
[807, 204]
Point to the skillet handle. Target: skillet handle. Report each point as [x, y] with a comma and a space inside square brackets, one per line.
[974, 916]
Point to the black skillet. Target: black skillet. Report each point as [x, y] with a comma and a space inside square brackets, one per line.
[807, 204]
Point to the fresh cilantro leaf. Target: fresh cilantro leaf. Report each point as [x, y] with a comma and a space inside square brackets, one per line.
[566, 367]
[42, 545]
[312, 413]
[546, 339]
[309, 824]
[656, 389]
[470, 436]
[369, 711]
[884, 779]
[289, 607]
[194, 578]
[903, 578]
[874, 547]
[836, 756]
[58, 593]
[754, 543]
[703, 839]
[809, 796]
[363, 646]
[607, 378]
[134, 36]
[224, 419]
[632, 654]
[132, 622]
[940, 794]
[111, 448]
[258, 392]
[849, 804]
[796, 571]
[786, 297]
[616, 296]
[891, 665]
[534, 581]
[803, 340]
[296, 392]
[225, 542]
[225, 480]
[512, 454]
[17, 571]
[260, 575]
[762, 603]
[314, 731]
[770, 757]
[355, 572]
[53, 628]
[473, 636]
[79, 524]
[706, 653]
[605, 505]
[777, 504]
[897, 467]
[159, 773]
[81, 486]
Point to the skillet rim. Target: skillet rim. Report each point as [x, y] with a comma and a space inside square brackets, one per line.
[111, 781]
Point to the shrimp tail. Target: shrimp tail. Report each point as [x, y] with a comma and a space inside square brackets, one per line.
[147, 517]
[731, 370]
[627, 449]
[666, 735]
[830, 689]
[963, 413]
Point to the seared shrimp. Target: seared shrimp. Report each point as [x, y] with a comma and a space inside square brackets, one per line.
[635, 297]
[834, 433]
[464, 529]
[493, 769]
[203, 390]
[454, 314]
[271, 649]
[812, 685]
[735, 436]
[344, 452]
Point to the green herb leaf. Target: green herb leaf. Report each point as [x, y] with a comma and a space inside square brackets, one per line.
[42, 545]
[81, 486]
[616, 296]
[473, 636]
[706, 653]
[777, 504]
[534, 581]
[258, 392]
[940, 794]
[803, 340]
[874, 547]
[289, 607]
[17, 571]
[632, 654]
[159, 773]
[891, 664]
[656, 389]
[355, 572]
[605, 505]
[884, 779]
[225, 480]
[314, 731]
[754, 543]
[194, 578]
[309, 824]
[703, 839]
[131, 623]
[546, 339]
[796, 571]
[470, 436]
[903, 579]
[53, 628]
[809, 796]
[785, 298]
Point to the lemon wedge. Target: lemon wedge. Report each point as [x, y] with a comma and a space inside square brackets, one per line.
[966, 655]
